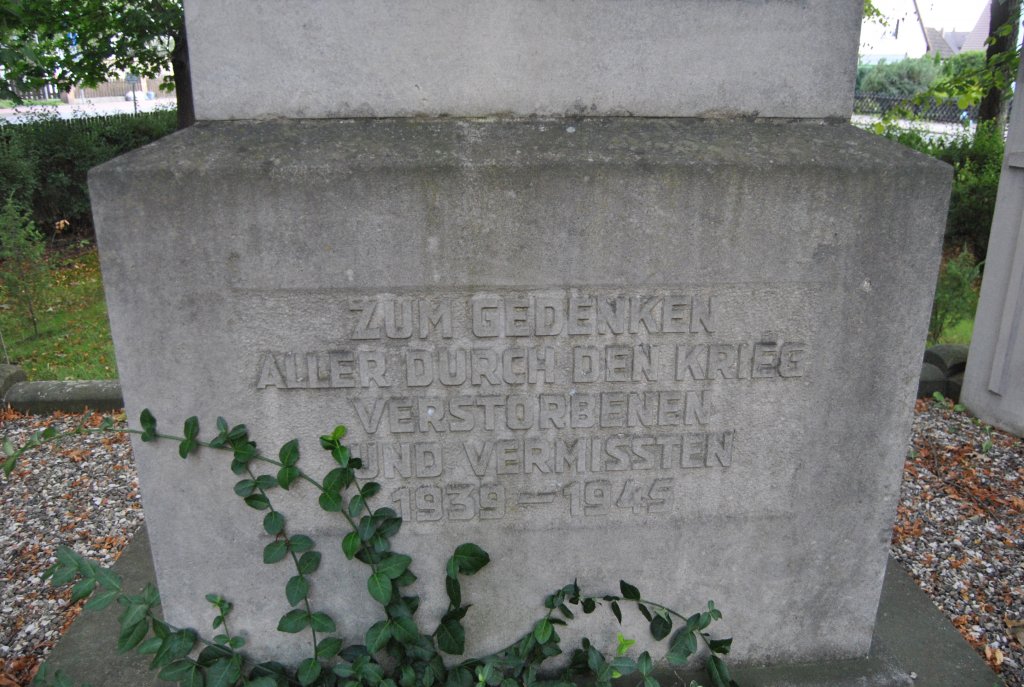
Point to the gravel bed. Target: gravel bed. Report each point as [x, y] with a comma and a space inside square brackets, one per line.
[81, 493]
[959, 530]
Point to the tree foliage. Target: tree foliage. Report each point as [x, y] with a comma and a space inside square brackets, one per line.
[69, 43]
[971, 79]
[904, 78]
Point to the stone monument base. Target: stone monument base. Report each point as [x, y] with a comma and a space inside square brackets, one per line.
[911, 638]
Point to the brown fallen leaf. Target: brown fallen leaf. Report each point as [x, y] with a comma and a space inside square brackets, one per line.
[1015, 628]
[994, 656]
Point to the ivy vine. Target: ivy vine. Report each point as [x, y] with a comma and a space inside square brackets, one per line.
[396, 651]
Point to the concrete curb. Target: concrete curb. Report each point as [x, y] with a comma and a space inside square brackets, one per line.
[48, 396]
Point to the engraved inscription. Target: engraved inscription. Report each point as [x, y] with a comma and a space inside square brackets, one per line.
[489, 407]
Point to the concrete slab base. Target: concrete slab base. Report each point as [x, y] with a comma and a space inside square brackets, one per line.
[913, 644]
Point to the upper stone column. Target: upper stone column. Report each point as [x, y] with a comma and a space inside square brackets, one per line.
[476, 58]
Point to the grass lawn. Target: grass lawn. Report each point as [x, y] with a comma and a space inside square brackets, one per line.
[10, 103]
[74, 335]
[960, 333]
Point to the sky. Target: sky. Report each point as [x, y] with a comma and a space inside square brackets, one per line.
[950, 15]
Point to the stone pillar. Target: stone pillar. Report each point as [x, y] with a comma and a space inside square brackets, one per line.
[994, 378]
[589, 290]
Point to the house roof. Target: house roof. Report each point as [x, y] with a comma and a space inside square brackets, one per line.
[937, 43]
[947, 44]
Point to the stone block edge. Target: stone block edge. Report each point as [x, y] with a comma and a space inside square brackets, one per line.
[48, 396]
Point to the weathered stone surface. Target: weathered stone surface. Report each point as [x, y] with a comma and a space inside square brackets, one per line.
[69, 396]
[675, 352]
[994, 378]
[387, 58]
[932, 379]
[9, 376]
[950, 358]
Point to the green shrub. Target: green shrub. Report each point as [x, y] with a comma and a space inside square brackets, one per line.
[43, 163]
[956, 293]
[977, 161]
[24, 273]
[906, 77]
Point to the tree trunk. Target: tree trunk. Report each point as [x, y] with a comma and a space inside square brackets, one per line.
[1002, 12]
[183, 81]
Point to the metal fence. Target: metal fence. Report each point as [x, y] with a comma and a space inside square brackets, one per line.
[934, 111]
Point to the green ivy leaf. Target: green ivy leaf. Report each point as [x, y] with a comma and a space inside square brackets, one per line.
[542, 631]
[451, 637]
[275, 551]
[321, 622]
[331, 502]
[273, 523]
[100, 601]
[454, 589]
[148, 423]
[394, 565]
[379, 586]
[134, 613]
[225, 672]
[356, 506]
[660, 627]
[342, 456]
[350, 545]
[717, 671]
[470, 558]
[289, 453]
[644, 664]
[309, 562]
[132, 635]
[293, 621]
[150, 646]
[192, 427]
[82, 589]
[257, 501]
[681, 647]
[336, 480]
[616, 611]
[309, 671]
[245, 487]
[183, 672]
[369, 490]
[404, 629]
[300, 543]
[286, 476]
[328, 648]
[296, 590]
[378, 635]
[266, 482]
[720, 646]
[589, 605]
[629, 591]
[186, 447]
